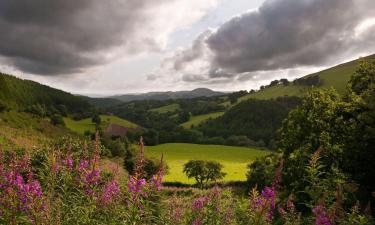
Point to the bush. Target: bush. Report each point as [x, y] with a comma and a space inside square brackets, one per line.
[151, 165]
[57, 120]
[261, 172]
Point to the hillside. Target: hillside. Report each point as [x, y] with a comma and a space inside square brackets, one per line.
[199, 92]
[19, 94]
[336, 77]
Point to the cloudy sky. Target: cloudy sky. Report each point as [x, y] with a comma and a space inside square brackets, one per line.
[98, 47]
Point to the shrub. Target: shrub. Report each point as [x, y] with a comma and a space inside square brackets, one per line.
[57, 120]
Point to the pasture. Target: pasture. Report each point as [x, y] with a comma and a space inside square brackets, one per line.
[81, 126]
[234, 159]
[196, 120]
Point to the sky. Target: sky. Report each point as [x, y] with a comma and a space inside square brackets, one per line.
[101, 48]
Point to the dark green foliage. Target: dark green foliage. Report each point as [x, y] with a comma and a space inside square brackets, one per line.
[261, 172]
[233, 98]
[96, 119]
[21, 94]
[117, 147]
[151, 165]
[151, 137]
[309, 81]
[183, 117]
[3, 106]
[203, 171]
[57, 120]
[256, 119]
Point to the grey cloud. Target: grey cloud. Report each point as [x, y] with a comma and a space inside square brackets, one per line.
[288, 33]
[193, 78]
[197, 50]
[284, 34]
[66, 36]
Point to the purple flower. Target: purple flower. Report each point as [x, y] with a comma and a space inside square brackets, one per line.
[93, 177]
[110, 190]
[83, 165]
[68, 162]
[136, 185]
[197, 221]
[199, 203]
[156, 181]
[321, 216]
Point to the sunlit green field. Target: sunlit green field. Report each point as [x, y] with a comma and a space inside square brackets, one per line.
[234, 159]
[83, 125]
[195, 120]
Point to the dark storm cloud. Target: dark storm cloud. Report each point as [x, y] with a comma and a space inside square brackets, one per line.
[285, 34]
[66, 36]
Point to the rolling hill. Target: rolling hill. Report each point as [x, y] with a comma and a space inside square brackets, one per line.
[19, 94]
[199, 92]
[336, 77]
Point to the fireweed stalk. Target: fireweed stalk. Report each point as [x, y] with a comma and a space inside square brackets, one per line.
[21, 196]
[140, 190]
[262, 206]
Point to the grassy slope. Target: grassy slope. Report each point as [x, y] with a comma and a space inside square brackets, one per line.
[336, 77]
[167, 108]
[22, 130]
[82, 125]
[234, 159]
[195, 120]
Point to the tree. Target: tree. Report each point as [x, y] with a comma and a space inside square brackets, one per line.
[96, 119]
[57, 119]
[203, 171]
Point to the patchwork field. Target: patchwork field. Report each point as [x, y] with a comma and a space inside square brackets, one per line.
[167, 108]
[234, 159]
[195, 120]
[83, 125]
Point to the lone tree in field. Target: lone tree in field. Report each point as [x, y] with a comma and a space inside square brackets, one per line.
[203, 171]
[96, 119]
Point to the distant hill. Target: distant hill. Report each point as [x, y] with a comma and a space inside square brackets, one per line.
[19, 94]
[199, 92]
[336, 77]
[102, 102]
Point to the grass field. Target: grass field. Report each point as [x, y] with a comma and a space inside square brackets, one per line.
[82, 125]
[167, 108]
[234, 159]
[195, 120]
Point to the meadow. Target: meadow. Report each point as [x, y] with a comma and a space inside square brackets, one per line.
[196, 120]
[81, 126]
[234, 159]
[167, 108]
